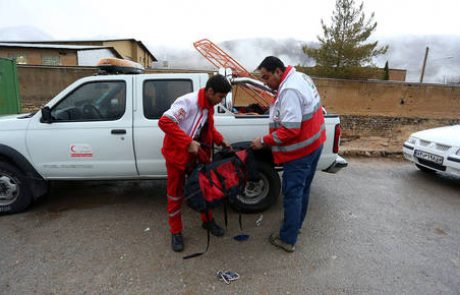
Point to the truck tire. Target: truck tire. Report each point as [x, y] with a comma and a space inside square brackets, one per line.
[425, 169]
[15, 195]
[260, 196]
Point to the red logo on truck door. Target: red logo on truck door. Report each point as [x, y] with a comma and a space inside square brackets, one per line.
[81, 151]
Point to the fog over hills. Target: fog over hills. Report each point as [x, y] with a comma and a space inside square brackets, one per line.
[406, 52]
[23, 33]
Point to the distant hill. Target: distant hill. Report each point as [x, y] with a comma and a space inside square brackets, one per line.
[406, 52]
[23, 33]
[248, 52]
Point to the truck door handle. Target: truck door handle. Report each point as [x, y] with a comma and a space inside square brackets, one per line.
[118, 131]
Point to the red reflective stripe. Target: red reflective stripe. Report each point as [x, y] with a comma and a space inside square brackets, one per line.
[196, 125]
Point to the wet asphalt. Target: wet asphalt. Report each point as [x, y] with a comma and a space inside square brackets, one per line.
[378, 227]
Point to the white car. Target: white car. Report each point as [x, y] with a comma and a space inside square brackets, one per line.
[436, 149]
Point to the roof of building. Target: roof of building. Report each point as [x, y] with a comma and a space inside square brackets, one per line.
[51, 46]
[87, 41]
[57, 46]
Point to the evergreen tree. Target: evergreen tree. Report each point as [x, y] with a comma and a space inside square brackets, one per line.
[386, 72]
[343, 47]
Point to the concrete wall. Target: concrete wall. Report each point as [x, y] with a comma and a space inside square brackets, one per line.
[345, 97]
[38, 84]
[381, 98]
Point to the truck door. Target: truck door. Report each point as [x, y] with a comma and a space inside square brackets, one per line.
[90, 135]
[156, 93]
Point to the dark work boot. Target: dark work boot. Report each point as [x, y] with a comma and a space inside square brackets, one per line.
[213, 228]
[177, 242]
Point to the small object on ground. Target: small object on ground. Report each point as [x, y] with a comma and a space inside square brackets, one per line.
[227, 276]
[259, 220]
[241, 237]
[147, 229]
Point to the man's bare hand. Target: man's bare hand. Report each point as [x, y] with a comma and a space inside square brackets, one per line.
[256, 143]
[193, 147]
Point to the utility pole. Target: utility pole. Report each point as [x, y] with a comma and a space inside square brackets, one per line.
[424, 64]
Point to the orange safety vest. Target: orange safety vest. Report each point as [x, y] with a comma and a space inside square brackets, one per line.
[297, 125]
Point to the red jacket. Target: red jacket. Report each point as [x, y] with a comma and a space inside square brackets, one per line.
[189, 115]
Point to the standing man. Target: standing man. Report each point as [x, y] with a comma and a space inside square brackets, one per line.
[186, 124]
[297, 133]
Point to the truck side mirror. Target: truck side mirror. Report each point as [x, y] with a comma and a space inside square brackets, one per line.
[226, 104]
[229, 101]
[46, 115]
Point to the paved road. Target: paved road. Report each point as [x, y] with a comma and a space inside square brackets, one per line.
[380, 227]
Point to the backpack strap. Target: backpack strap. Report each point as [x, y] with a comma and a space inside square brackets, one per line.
[225, 213]
[240, 220]
[207, 244]
[222, 182]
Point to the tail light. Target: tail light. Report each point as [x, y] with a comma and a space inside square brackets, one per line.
[338, 131]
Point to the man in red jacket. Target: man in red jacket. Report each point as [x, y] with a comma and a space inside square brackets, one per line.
[188, 124]
[297, 134]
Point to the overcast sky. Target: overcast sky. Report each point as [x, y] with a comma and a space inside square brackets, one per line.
[180, 22]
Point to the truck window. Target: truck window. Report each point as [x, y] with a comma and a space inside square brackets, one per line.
[93, 101]
[158, 95]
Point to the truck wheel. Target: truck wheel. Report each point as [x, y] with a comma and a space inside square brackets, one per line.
[259, 196]
[15, 194]
[425, 169]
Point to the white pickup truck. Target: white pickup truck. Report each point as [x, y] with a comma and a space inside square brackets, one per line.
[105, 128]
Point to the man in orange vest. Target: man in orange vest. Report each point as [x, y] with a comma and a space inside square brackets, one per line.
[297, 134]
[188, 124]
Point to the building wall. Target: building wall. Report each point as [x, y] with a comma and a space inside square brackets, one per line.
[344, 97]
[129, 49]
[384, 98]
[412, 100]
[369, 110]
[132, 51]
[143, 57]
[37, 85]
[34, 55]
[397, 75]
[123, 47]
[91, 57]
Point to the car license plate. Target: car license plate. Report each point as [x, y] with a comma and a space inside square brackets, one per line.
[428, 157]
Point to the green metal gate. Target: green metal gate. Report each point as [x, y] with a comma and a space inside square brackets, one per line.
[9, 88]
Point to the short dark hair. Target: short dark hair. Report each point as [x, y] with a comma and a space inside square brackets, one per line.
[219, 84]
[271, 63]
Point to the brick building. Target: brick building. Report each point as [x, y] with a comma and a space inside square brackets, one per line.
[76, 52]
[56, 55]
[130, 49]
